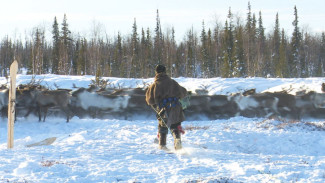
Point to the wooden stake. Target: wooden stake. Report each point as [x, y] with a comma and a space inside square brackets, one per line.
[11, 104]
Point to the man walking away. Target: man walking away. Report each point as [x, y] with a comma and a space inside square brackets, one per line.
[163, 95]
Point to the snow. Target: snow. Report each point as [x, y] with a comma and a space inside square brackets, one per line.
[224, 150]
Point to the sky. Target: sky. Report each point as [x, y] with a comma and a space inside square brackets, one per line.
[19, 17]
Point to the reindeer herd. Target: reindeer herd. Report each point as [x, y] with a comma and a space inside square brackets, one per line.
[130, 104]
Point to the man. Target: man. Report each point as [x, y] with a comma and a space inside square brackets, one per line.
[163, 96]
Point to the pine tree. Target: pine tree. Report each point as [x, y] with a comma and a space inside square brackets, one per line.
[37, 52]
[226, 59]
[217, 39]
[204, 52]
[149, 52]
[143, 57]
[228, 49]
[321, 62]
[191, 69]
[294, 60]
[6, 55]
[275, 65]
[248, 40]
[158, 42]
[170, 50]
[261, 47]
[239, 60]
[66, 47]
[135, 63]
[118, 67]
[212, 54]
[56, 47]
[282, 68]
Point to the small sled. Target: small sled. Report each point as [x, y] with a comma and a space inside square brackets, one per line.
[45, 142]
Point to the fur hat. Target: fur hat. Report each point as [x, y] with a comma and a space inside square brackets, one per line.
[160, 68]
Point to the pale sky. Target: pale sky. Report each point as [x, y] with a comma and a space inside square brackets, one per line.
[19, 17]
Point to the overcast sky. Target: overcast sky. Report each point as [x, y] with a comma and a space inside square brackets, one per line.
[19, 17]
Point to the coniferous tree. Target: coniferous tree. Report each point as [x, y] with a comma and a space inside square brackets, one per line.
[321, 62]
[143, 57]
[211, 54]
[191, 65]
[228, 48]
[118, 67]
[6, 55]
[261, 47]
[295, 60]
[226, 64]
[173, 55]
[218, 49]
[248, 40]
[204, 52]
[135, 63]
[239, 58]
[275, 55]
[56, 47]
[282, 68]
[149, 52]
[170, 50]
[158, 42]
[253, 43]
[37, 52]
[66, 47]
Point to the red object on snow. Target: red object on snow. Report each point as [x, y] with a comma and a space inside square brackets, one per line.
[181, 129]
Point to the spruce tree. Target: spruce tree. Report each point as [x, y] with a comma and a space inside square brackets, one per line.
[275, 56]
[321, 62]
[248, 39]
[191, 69]
[118, 67]
[228, 48]
[135, 63]
[143, 57]
[149, 52]
[158, 42]
[282, 68]
[295, 60]
[211, 54]
[65, 49]
[239, 59]
[56, 46]
[204, 52]
[261, 47]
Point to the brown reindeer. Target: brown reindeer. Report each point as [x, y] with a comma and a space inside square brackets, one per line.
[51, 98]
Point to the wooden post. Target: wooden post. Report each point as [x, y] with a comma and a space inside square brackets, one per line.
[11, 104]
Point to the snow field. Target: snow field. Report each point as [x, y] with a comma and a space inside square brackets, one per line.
[234, 150]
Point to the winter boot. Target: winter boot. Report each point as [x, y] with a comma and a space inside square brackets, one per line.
[178, 144]
[177, 139]
[162, 141]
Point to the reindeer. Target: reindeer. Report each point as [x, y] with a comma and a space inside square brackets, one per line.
[257, 104]
[51, 98]
[4, 95]
[93, 102]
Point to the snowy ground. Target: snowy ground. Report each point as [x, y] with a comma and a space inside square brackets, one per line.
[234, 150]
[110, 150]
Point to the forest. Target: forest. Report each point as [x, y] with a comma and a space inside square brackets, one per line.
[238, 47]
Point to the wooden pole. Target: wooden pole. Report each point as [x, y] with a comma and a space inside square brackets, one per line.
[11, 104]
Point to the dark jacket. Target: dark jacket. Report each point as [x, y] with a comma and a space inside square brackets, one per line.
[164, 87]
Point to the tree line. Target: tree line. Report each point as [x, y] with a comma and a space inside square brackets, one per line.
[235, 48]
